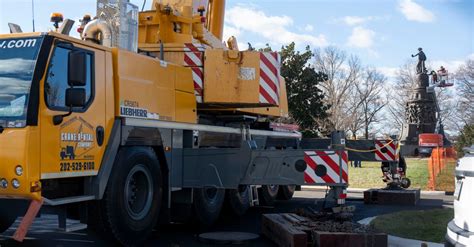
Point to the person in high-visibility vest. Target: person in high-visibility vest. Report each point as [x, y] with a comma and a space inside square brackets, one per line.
[443, 73]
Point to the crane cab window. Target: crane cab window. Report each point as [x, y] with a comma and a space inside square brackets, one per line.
[57, 79]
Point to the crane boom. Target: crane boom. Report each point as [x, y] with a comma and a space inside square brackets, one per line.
[215, 18]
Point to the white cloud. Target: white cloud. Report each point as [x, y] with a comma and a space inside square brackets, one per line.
[242, 46]
[361, 37]
[352, 20]
[389, 72]
[373, 53]
[356, 20]
[309, 28]
[415, 12]
[275, 29]
[231, 31]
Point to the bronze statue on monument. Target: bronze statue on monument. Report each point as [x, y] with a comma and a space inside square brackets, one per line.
[420, 67]
[420, 110]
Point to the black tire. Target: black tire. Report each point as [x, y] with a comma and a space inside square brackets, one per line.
[238, 200]
[10, 209]
[208, 204]
[405, 183]
[132, 200]
[6, 220]
[268, 194]
[286, 192]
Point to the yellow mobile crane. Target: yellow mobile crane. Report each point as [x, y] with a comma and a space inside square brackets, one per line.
[148, 116]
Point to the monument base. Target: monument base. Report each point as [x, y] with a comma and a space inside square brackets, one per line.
[407, 150]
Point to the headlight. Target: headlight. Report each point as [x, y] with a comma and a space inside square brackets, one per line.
[19, 170]
[15, 183]
[3, 183]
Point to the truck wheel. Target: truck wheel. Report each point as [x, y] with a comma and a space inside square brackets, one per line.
[10, 210]
[285, 192]
[238, 200]
[132, 200]
[6, 220]
[405, 183]
[208, 204]
[268, 194]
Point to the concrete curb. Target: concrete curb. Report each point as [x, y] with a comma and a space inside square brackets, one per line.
[394, 241]
[361, 190]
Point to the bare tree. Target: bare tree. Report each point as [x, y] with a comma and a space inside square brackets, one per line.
[465, 78]
[343, 73]
[398, 94]
[447, 104]
[354, 116]
[366, 103]
[369, 93]
[354, 93]
[464, 114]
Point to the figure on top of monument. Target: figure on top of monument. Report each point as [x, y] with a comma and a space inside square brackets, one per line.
[420, 67]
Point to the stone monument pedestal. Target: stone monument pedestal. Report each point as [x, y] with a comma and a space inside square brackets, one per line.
[420, 116]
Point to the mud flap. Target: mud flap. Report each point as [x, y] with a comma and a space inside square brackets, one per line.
[27, 220]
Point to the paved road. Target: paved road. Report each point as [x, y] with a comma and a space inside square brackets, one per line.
[44, 233]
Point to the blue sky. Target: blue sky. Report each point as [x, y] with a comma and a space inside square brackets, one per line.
[383, 33]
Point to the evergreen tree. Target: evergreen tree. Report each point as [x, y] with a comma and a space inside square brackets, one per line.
[305, 98]
[465, 139]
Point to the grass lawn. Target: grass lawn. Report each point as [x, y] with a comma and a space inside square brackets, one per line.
[425, 225]
[369, 176]
[445, 179]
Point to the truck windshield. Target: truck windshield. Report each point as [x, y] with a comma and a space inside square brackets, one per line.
[17, 64]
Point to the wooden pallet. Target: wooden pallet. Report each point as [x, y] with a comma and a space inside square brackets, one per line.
[290, 230]
[283, 231]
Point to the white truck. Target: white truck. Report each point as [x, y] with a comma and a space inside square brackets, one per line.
[460, 231]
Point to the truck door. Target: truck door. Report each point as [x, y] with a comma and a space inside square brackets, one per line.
[74, 147]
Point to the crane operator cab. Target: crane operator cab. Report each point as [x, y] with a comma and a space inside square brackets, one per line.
[440, 78]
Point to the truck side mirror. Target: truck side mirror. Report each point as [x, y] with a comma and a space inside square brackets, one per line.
[77, 69]
[77, 77]
[75, 97]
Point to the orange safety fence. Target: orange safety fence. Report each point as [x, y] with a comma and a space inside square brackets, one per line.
[437, 162]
